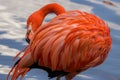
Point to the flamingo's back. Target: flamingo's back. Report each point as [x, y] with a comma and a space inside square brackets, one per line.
[72, 41]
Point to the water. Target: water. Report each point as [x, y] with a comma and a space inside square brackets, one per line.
[13, 16]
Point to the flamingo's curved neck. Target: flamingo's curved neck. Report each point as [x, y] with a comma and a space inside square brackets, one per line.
[39, 15]
[52, 8]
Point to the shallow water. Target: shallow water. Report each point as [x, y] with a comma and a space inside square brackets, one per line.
[13, 15]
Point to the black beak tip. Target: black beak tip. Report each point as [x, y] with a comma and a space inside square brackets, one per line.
[28, 40]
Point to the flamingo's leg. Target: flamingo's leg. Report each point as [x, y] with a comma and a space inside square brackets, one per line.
[71, 75]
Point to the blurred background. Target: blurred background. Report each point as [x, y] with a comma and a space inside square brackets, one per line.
[13, 16]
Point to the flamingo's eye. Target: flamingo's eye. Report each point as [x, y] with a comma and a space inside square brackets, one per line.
[30, 28]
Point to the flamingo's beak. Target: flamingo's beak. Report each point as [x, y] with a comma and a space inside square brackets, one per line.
[27, 36]
[29, 33]
[28, 40]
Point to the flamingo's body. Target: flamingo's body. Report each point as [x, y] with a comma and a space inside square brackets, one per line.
[67, 45]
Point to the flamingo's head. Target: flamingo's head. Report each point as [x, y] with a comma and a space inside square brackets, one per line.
[29, 33]
[33, 22]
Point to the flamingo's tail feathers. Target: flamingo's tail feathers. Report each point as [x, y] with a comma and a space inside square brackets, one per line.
[21, 52]
[17, 71]
[21, 67]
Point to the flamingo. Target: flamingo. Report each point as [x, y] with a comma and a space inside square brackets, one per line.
[69, 44]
